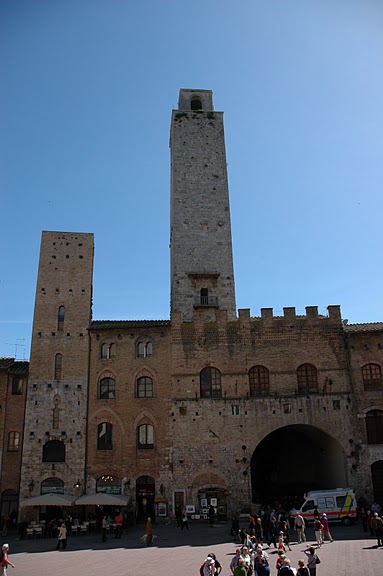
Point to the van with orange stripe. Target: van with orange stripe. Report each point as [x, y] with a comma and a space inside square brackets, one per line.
[339, 505]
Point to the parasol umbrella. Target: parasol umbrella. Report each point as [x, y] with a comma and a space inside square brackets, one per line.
[49, 500]
[102, 499]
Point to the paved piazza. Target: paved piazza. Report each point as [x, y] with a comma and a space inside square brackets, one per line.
[181, 553]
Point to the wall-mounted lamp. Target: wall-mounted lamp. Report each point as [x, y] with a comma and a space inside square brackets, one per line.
[31, 486]
[77, 485]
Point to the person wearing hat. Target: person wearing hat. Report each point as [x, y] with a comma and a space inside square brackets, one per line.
[326, 529]
[4, 560]
[209, 567]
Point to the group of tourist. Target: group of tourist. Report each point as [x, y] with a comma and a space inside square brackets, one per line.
[372, 520]
[255, 561]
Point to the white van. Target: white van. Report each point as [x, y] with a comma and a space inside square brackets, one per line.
[339, 504]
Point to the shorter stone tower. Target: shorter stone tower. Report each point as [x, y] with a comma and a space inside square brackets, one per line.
[201, 251]
[56, 410]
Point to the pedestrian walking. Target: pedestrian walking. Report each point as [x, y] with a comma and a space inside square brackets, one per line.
[302, 569]
[280, 559]
[377, 526]
[118, 521]
[261, 562]
[299, 526]
[149, 532]
[184, 520]
[287, 569]
[62, 537]
[217, 564]
[240, 569]
[211, 514]
[273, 532]
[318, 529]
[104, 525]
[326, 528]
[312, 560]
[178, 516]
[286, 533]
[4, 561]
[209, 567]
[235, 560]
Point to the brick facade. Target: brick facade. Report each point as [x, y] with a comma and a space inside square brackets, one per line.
[208, 404]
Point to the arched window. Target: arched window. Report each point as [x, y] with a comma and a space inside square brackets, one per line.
[145, 437]
[60, 318]
[105, 436]
[144, 387]
[54, 451]
[107, 389]
[374, 426]
[108, 350]
[372, 377]
[307, 379]
[210, 383]
[259, 381]
[144, 349]
[13, 441]
[52, 486]
[196, 104]
[108, 485]
[58, 366]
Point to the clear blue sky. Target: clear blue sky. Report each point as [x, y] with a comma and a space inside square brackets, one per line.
[87, 92]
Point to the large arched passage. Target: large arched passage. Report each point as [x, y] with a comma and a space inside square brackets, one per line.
[293, 460]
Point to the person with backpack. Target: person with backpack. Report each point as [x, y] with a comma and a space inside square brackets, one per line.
[299, 526]
[312, 560]
[4, 562]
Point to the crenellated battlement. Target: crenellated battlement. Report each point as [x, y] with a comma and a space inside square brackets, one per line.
[267, 319]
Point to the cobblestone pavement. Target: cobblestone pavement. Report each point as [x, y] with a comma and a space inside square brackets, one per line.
[181, 553]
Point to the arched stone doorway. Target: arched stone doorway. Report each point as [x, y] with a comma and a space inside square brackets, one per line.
[377, 481]
[294, 459]
[145, 491]
[211, 489]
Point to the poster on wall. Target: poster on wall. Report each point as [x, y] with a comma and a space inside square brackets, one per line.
[203, 502]
[213, 502]
[162, 511]
[190, 509]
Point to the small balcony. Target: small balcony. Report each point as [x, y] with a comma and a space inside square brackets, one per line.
[206, 302]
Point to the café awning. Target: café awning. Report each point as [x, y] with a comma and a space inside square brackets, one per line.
[102, 499]
[49, 500]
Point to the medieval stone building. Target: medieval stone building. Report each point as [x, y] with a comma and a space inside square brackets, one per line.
[213, 404]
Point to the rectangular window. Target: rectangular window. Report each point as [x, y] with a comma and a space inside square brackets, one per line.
[17, 386]
[235, 410]
[13, 441]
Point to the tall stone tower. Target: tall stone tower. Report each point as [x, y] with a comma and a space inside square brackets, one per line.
[200, 238]
[56, 409]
